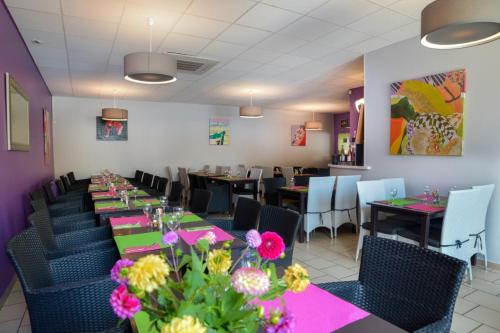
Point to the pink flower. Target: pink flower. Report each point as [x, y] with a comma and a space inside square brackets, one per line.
[250, 281]
[125, 304]
[210, 237]
[272, 246]
[116, 271]
[285, 324]
[170, 238]
[253, 238]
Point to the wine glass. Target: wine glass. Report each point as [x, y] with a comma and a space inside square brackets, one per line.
[122, 196]
[172, 222]
[427, 193]
[178, 212]
[292, 181]
[134, 192]
[435, 196]
[164, 202]
[393, 193]
[147, 209]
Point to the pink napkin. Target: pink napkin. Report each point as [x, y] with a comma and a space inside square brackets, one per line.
[426, 208]
[102, 194]
[317, 311]
[297, 187]
[424, 197]
[191, 237]
[141, 219]
[142, 248]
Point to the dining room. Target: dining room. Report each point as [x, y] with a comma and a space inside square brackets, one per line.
[249, 166]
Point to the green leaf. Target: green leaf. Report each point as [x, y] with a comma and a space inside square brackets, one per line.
[403, 109]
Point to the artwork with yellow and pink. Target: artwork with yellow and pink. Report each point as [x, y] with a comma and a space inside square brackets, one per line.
[298, 135]
[427, 115]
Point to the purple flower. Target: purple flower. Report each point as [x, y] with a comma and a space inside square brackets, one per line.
[285, 324]
[253, 238]
[116, 271]
[170, 238]
[124, 304]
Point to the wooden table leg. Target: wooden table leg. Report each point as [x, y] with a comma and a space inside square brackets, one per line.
[374, 219]
[302, 210]
[424, 230]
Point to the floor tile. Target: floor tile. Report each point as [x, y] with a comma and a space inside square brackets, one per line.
[24, 329]
[338, 271]
[314, 273]
[10, 326]
[12, 312]
[488, 275]
[484, 299]
[485, 316]
[465, 290]
[320, 263]
[485, 329]
[324, 278]
[26, 319]
[462, 306]
[15, 297]
[488, 287]
[461, 324]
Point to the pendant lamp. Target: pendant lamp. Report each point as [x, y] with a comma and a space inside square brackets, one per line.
[150, 67]
[314, 125]
[114, 113]
[251, 111]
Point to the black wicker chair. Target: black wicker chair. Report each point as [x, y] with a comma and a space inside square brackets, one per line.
[174, 199]
[409, 286]
[59, 245]
[220, 202]
[200, 202]
[137, 178]
[47, 187]
[147, 179]
[66, 223]
[73, 180]
[69, 294]
[162, 186]
[271, 186]
[57, 209]
[73, 188]
[246, 216]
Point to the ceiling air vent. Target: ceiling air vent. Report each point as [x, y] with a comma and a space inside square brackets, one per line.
[192, 64]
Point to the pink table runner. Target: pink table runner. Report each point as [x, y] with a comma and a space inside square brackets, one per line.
[141, 219]
[103, 195]
[426, 208]
[317, 311]
[191, 237]
[297, 187]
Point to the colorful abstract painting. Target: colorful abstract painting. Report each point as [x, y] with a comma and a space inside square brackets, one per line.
[299, 135]
[219, 131]
[107, 130]
[427, 115]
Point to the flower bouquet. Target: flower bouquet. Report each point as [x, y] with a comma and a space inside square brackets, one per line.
[204, 291]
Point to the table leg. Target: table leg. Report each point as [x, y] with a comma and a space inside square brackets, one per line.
[302, 210]
[230, 198]
[424, 230]
[280, 199]
[255, 187]
[374, 219]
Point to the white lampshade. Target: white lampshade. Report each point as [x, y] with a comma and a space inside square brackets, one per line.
[251, 111]
[452, 24]
[114, 114]
[150, 68]
[314, 126]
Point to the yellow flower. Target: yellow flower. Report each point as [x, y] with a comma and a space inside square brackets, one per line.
[296, 278]
[186, 324]
[148, 273]
[219, 261]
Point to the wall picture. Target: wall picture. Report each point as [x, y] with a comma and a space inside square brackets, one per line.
[107, 130]
[46, 136]
[218, 131]
[298, 135]
[427, 115]
[18, 115]
[344, 123]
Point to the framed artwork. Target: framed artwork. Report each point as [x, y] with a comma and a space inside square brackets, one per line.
[427, 115]
[343, 142]
[298, 135]
[107, 130]
[46, 136]
[344, 123]
[18, 115]
[218, 131]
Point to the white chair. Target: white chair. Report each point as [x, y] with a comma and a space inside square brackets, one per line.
[394, 183]
[453, 239]
[319, 204]
[168, 173]
[255, 173]
[344, 209]
[369, 191]
[478, 225]
[241, 170]
[206, 168]
[267, 172]
[186, 188]
[221, 170]
[288, 174]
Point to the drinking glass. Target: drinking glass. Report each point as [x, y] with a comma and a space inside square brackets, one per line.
[435, 196]
[393, 193]
[292, 181]
[178, 212]
[172, 222]
[427, 193]
[122, 196]
[164, 202]
[134, 192]
[147, 209]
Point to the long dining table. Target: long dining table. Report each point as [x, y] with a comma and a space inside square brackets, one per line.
[420, 208]
[135, 238]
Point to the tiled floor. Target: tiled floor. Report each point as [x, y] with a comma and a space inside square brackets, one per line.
[477, 310]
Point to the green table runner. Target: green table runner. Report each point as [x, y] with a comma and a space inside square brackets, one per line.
[143, 202]
[185, 218]
[401, 202]
[145, 239]
[109, 204]
[139, 192]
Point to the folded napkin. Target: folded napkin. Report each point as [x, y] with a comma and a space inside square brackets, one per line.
[426, 207]
[143, 240]
[140, 221]
[147, 248]
[191, 237]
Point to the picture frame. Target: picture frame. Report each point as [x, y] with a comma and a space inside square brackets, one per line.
[18, 115]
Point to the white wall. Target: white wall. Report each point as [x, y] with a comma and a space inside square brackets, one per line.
[161, 134]
[481, 161]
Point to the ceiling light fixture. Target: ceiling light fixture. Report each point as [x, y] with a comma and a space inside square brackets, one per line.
[150, 67]
[314, 125]
[251, 111]
[114, 113]
[453, 24]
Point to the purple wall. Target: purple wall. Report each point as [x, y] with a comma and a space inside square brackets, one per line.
[356, 93]
[337, 129]
[20, 172]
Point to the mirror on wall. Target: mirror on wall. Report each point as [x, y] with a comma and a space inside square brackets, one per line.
[18, 116]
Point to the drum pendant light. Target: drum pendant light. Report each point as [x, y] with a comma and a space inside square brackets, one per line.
[251, 111]
[150, 67]
[314, 125]
[453, 24]
[114, 113]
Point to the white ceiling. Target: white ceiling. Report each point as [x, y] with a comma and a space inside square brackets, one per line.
[294, 54]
